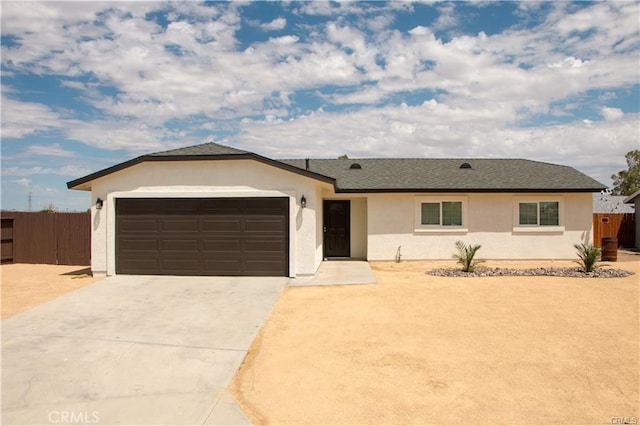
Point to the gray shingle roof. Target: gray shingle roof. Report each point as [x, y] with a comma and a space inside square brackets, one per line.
[394, 174]
[446, 174]
[209, 148]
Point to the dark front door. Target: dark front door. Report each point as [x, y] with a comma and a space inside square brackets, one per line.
[202, 236]
[337, 221]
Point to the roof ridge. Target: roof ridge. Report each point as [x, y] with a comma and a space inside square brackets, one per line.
[200, 146]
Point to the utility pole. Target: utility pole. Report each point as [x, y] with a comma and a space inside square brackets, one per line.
[29, 200]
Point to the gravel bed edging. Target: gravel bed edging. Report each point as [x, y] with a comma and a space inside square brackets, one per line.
[531, 272]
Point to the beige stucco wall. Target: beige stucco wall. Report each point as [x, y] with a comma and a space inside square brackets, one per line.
[489, 219]
[359, 228]
[237, 178]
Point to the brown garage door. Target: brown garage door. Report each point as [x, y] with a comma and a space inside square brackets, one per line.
[202, 236]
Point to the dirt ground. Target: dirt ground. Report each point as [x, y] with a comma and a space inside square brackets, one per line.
[26, 285]
[418, 349]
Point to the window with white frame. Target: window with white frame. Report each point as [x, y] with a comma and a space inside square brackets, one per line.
[440, 213]
[539, 213]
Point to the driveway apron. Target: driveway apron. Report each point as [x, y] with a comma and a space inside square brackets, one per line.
[134, 350]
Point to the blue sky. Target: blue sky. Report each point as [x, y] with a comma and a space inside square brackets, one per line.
[86, 85]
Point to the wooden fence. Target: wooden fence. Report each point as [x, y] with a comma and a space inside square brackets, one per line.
[614, 225]
[52, 238]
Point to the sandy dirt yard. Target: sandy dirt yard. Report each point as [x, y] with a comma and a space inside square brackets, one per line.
[26, 285]
[418, 349]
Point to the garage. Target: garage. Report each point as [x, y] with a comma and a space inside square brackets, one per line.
[202, 236]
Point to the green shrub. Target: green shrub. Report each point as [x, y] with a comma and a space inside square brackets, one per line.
[465, 256]
[588, 255]
[49, 208]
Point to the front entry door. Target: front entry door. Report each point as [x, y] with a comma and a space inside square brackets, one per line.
[337, 228]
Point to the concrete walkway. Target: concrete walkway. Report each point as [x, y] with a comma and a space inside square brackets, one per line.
[134, 350]
[338, 272]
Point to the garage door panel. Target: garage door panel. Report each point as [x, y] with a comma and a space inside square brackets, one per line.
[145, 266]
[138, 225]
[238, 236]
[179, 225]
[177, 206]
[191, 246]
[265, 206]
[263, 246]
[275, 225]
[229, 206]
[222, 245]
[231, 267]
[225, 225]
[178, 266]
[138, 206]
[138, 245]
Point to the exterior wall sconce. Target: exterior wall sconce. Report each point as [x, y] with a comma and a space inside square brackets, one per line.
[99, 203]
[303, 202]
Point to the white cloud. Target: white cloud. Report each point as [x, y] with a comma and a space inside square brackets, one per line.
[275, 25]
[420, 31]
[447, 18]
[569, 62]
[611, 114]
[70, 171]
[20, 119]
[23, 182]
[284, 40]
[133, 136]
[380, 22]
[53, 150]
[325, 8]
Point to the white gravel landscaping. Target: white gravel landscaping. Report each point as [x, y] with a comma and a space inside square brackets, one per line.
[575, 272]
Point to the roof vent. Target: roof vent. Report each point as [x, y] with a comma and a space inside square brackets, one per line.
[355, 166]
[465, 166]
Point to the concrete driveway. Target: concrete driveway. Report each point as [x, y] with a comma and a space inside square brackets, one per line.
[134, 350]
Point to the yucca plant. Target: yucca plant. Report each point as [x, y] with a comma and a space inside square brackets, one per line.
[465, 256]
[588, 255]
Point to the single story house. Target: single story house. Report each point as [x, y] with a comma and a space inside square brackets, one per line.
[635, 200]
[216, 210]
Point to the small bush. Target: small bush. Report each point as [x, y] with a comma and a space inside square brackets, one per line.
[588, 255]
[49, 208]
[465, 256]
